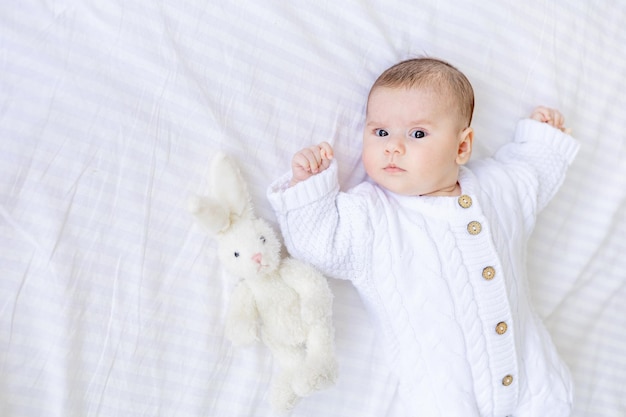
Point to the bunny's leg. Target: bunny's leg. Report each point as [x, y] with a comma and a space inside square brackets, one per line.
[320, 365]
[290, 359]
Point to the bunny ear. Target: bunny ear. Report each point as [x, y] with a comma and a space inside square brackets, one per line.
[210, 214]
[229, 187]
[229, 200]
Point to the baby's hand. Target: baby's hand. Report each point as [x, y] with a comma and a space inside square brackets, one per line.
[550, 116]
[310, 161]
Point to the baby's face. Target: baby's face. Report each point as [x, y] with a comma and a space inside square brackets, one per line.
[412, 142]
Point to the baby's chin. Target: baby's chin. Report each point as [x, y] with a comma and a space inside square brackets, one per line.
[450, 191]
[403, 190]
[417, 191]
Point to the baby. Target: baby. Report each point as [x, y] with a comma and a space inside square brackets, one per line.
[436, 246]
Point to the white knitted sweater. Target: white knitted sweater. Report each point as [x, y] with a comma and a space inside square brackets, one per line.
[453, 305]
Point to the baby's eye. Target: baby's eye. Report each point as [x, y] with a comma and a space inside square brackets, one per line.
[381, 132]
[236, 254]
[417, 134]
[262, 239]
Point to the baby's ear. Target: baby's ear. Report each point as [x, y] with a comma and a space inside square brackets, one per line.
[466, 141]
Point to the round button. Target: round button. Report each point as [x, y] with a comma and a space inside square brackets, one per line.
[507, 380]
[489, 273]
[474, 228]
[501, 328]
[465, 201]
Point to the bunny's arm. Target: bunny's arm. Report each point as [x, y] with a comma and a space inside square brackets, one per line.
[312, 287]
[243, 316]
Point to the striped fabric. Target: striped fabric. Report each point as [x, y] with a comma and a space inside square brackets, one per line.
[112, 301]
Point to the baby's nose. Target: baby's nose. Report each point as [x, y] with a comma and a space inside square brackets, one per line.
[257, 257]
[395, 144]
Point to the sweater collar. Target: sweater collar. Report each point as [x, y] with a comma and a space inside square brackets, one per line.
[439, 206]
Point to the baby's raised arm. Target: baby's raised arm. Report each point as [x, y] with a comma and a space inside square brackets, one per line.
[310, 161]
[550, 116]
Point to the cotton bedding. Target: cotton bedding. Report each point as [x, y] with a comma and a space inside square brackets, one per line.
[112, 300]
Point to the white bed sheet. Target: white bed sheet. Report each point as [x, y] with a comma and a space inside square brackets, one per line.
[111, 299]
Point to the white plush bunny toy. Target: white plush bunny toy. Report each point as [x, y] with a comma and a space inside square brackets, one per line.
[284, 300]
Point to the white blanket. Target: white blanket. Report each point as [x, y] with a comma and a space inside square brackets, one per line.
[112, 301]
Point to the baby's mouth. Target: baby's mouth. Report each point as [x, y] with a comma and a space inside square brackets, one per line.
[392, 168]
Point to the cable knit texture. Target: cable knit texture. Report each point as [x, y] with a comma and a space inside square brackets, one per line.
[425, 278]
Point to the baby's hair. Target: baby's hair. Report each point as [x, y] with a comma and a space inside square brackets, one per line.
[434, 73]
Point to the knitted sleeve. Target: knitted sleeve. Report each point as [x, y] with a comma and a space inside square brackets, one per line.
[538, 159]
[322, 226]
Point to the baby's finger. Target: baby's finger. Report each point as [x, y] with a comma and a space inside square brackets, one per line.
[325, 164]
[549, 115]
[307, 157]
[300, 162]
[559, 120]
[326, 151]
[541, 114]
[314, 158]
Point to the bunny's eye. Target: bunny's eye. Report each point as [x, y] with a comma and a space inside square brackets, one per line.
[236, 254]
[262, 239]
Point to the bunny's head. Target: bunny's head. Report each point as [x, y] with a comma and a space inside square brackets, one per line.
[249, 249]
[248, 246]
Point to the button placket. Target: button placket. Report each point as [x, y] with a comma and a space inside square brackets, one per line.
[501, 337]
[473, 227]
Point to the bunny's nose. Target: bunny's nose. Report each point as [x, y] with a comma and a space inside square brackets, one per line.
[257, 257]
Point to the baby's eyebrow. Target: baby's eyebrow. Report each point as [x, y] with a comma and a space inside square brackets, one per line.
[421, 122]
[418, 122]
[373, 123]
